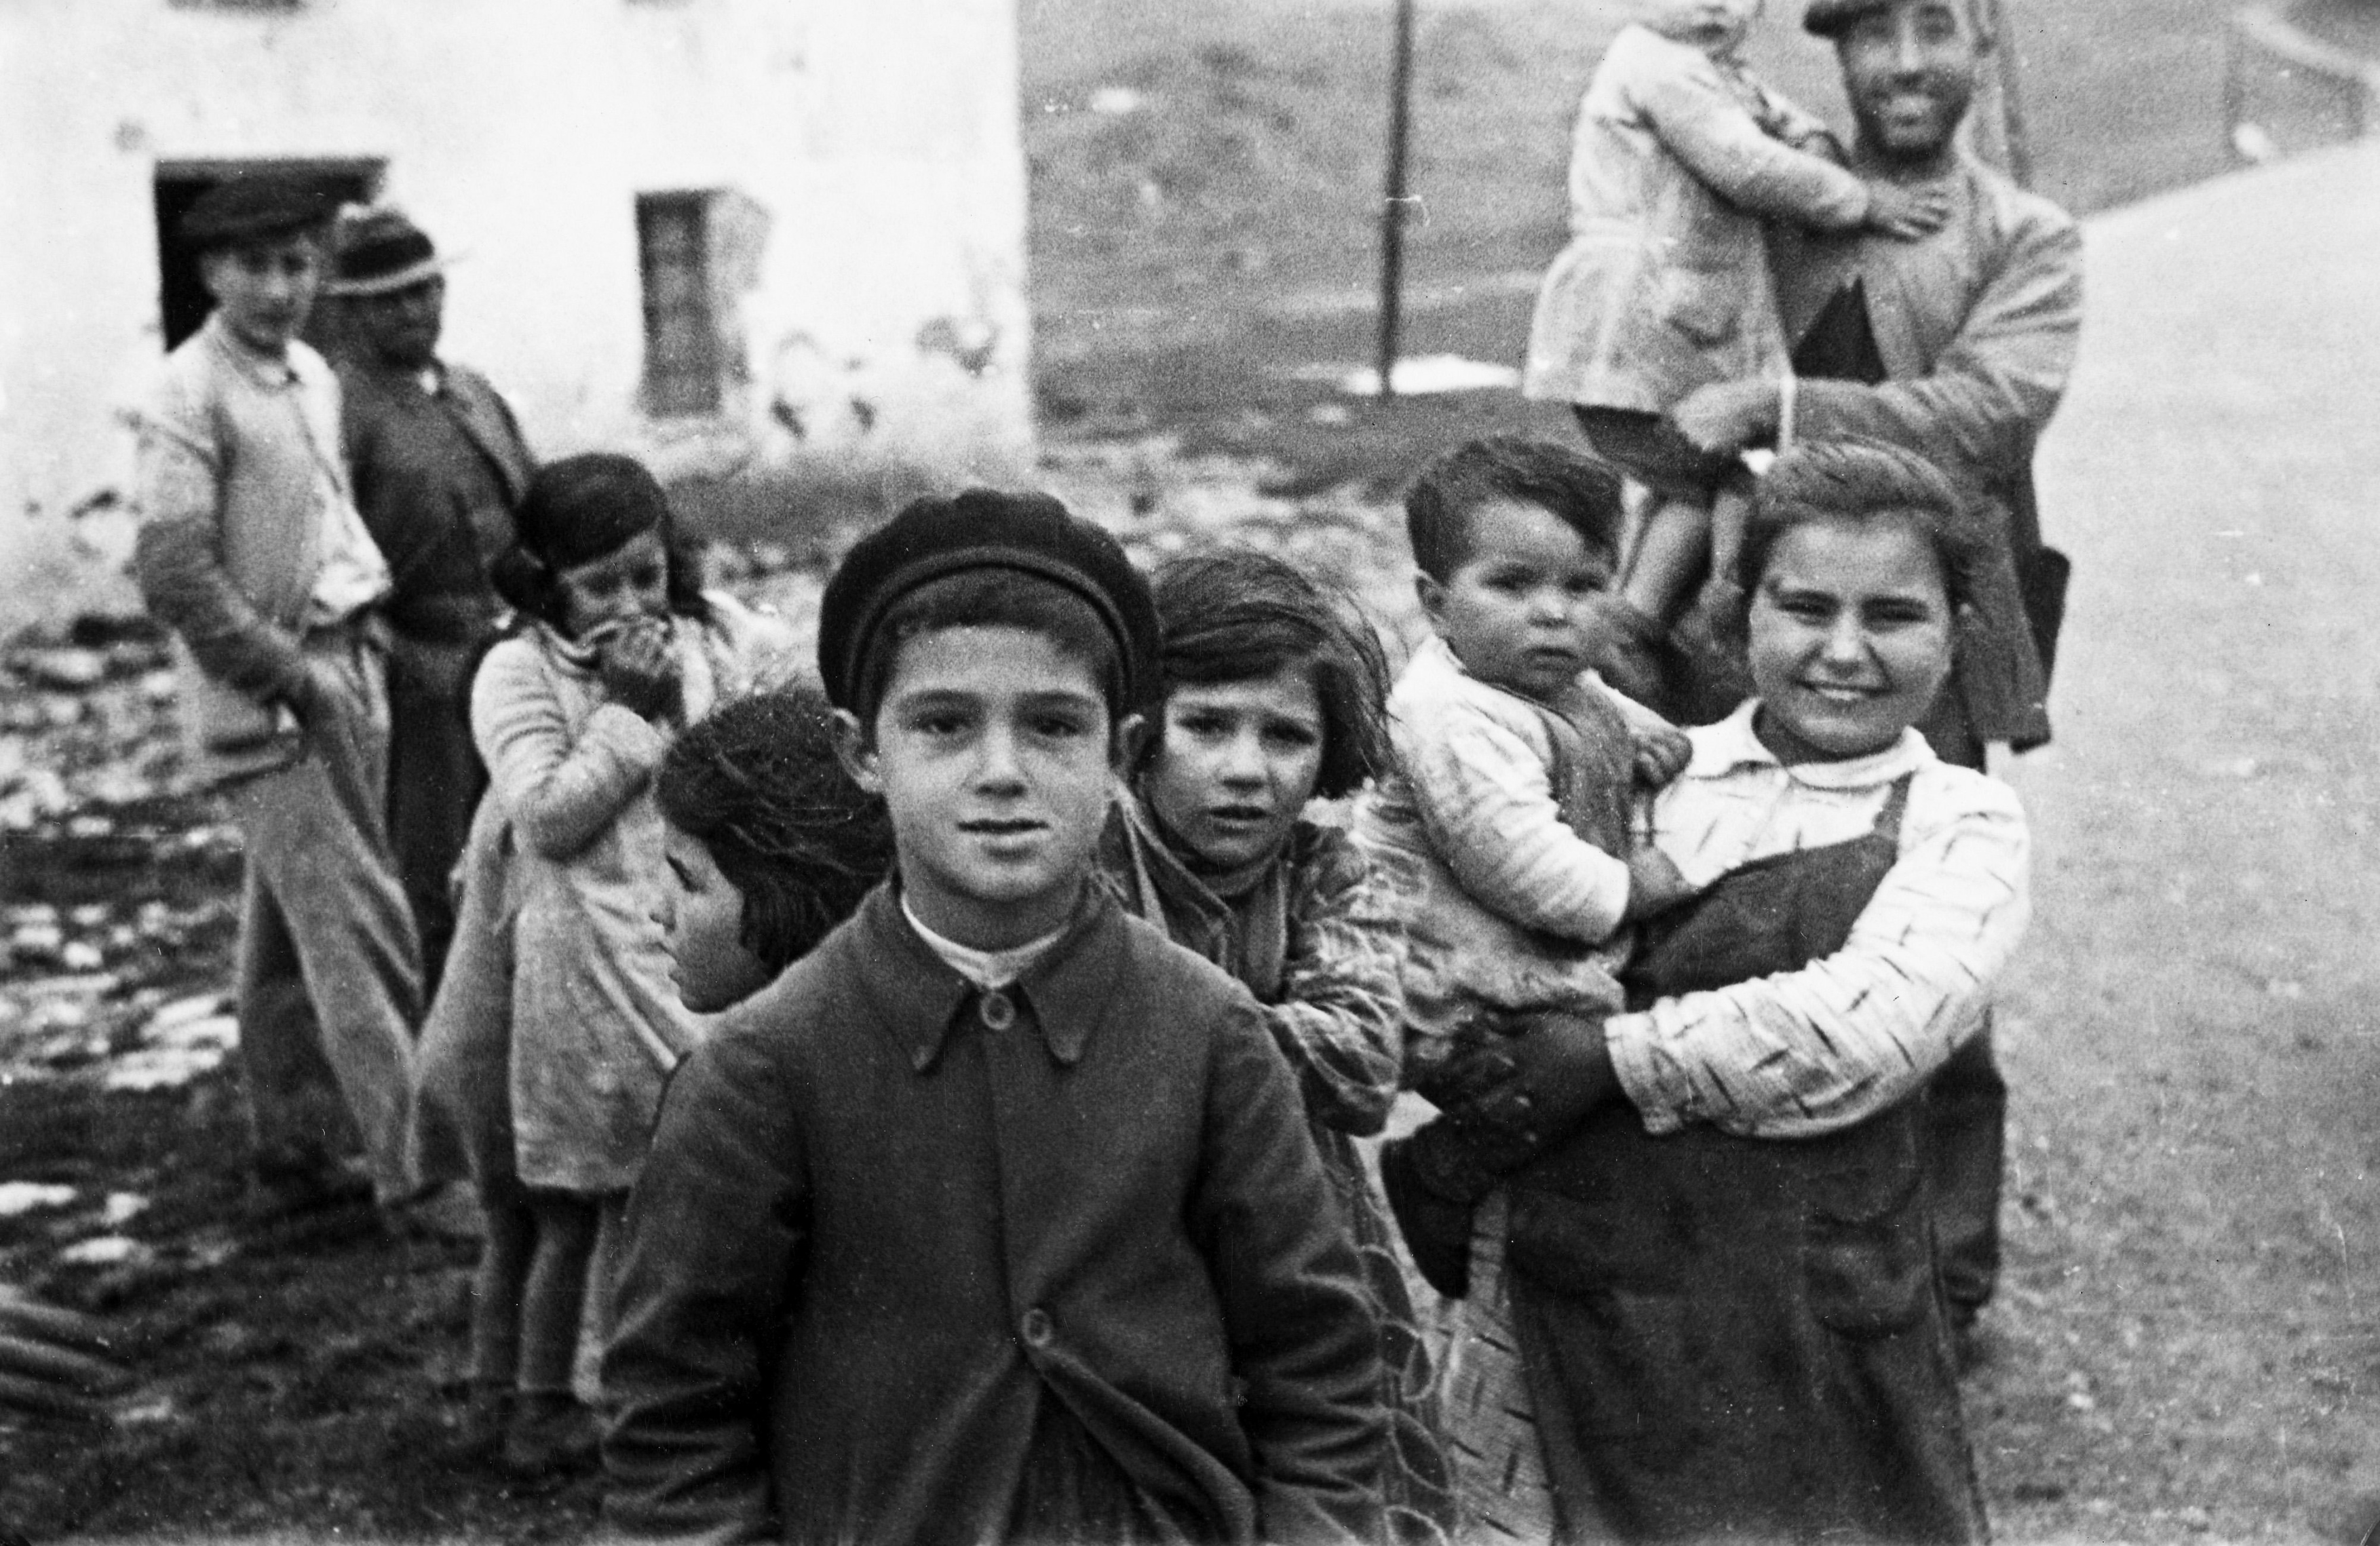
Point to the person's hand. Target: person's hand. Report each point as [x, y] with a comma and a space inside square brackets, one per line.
[55, 1363]
[1905, 214]
[1535, 1085]
[1624, 645]
[640, 669]
[1654, 884]
[1727, 416]
[1662, 752]
[318, 688]
[1818, 140]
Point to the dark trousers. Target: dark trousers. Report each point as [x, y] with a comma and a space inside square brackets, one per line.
[1965, 1112]
[436, 779]
[1966, 1117]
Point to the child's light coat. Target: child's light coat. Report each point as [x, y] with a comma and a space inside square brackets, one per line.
[597, 1022]
[1676, 162]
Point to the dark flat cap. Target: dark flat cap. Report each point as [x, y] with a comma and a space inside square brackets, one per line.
[1831, 18]
[253, 206]
[984, 528]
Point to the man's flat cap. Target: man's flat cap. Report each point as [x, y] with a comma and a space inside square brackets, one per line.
[248, 207]
[1831, 18]
[1828, 17]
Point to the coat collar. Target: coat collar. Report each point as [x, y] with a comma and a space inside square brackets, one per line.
[267, 371]
[917, 997]
[1731, 744]
[468, 403]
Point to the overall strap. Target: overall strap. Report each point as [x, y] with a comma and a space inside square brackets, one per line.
[1896, 805]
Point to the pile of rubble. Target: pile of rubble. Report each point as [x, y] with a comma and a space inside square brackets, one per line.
[120, 885]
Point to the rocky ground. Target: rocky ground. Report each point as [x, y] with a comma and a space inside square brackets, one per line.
[2184, 1347]
[296, 1371]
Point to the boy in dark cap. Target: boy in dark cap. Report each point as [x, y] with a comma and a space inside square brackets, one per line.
[252, 552]
[994, 1218]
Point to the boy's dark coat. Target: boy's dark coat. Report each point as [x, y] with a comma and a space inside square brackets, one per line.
[874, 1233]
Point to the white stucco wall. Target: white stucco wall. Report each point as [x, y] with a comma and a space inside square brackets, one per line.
[876, 141]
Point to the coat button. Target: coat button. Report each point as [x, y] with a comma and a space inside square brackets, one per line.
[1036, 1328]
[999, 1010]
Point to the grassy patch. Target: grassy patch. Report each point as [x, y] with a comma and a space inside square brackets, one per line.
[1207, 181]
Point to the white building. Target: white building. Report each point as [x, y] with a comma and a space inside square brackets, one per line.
[772, 239]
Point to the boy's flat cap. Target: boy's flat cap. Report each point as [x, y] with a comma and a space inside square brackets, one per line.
[253, 206]
[984, 528]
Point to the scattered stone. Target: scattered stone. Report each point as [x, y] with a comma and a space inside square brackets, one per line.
[158, 1409]
[19, 1198]
[165, 1067]
[219, 1031]
[105, 1250]
[68, 669]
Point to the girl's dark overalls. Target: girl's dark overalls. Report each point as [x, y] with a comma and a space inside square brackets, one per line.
[1742, 1339]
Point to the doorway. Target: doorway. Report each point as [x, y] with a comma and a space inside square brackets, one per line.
[182, 298]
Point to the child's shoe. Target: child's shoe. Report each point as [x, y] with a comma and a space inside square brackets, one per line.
[548, 1434]
[1436, 1228]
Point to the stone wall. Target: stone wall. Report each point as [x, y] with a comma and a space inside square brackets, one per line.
[859, 160]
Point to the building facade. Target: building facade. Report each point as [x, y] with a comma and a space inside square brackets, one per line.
[744, 237]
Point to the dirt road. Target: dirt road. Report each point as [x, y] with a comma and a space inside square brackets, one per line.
[2188, 1340]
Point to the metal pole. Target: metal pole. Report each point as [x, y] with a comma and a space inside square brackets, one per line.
[2016, 143]
[1392, 210]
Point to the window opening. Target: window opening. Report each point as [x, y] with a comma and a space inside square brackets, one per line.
[682, 354]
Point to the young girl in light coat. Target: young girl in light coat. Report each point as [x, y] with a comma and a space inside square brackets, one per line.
[616, 649]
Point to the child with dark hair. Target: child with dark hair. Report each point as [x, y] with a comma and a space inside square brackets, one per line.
[769, 844]
[1511, 820]
[617, 648]
[1272, 690]
[994, 1218]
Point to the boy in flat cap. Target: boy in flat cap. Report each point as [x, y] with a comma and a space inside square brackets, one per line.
[1976, 327]
[439, 466]
[994, 1218]
[252, 552]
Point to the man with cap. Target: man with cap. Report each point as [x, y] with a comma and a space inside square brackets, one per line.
[439, 466]
[1975, 327]
[251, 550]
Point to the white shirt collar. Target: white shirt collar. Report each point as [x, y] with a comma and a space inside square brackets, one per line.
[989, 970]
[1732, 743]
